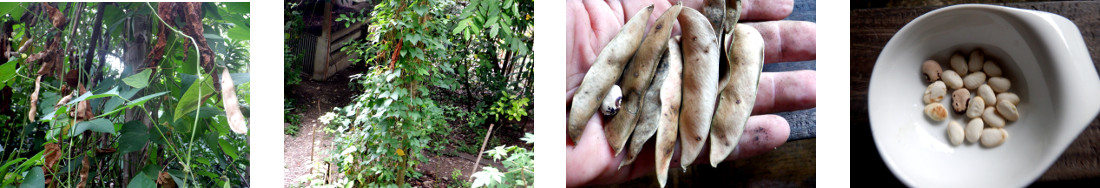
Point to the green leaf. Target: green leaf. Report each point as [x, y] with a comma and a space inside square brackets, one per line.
[239, 33]
[96, 125]
[34, 178]
[189, 101]
[141, 181]
[238, 7]
[228, 149]
[133, 103]
[239, 78]
[139, 80]
[487, 176]
[12, 8]
[133, 138]
[7, 71]
[89, 96]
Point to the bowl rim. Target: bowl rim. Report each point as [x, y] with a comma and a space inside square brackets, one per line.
[1014, 13]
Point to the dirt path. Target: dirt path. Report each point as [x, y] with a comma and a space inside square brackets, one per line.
[312, 99]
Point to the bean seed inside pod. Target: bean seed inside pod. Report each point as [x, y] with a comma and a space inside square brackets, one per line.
[987, 93]
[935, 92]
[976, 107]
[973, 80]
[958, 63]
[1010, 97]
[974, 130]
[952, 79]
[993, 137]
[1007, 110]
[612, 102]
[931, 70]
[977, 57]
[959, 99]
[990, 117]
[936, 111]
[999, 84]
[955, 133]
[991, 69]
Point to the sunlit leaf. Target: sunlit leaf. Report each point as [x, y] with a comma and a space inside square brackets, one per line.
[139, 80]
[189, 101]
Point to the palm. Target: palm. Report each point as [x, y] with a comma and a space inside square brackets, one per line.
[592, 24]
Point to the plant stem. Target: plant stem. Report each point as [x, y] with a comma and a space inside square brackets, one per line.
[198, 69]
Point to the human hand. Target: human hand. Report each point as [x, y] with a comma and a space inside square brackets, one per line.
[592, 24]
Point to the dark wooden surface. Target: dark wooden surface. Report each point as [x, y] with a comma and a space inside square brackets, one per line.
[872, 28]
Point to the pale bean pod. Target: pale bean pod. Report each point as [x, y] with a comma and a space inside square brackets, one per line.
[935, 111]
[952, 79]
[974, 130]
[973, 80]
[993, 137]
[1007, 110]
[935, 92]
[992, 119]
[987, 93]
[700, 82]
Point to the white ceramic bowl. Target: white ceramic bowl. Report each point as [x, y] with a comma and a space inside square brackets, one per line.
[1043, 55]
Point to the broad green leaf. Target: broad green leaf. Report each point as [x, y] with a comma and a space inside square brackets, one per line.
[141, 181]
[95, 125]
[133, 103]
[7, 71]
[12, 8]
[240, 78]
[239, 33]
[189, 101]
[228, 149]
[238, 7]
[133, 137]
[89, 96]
[117, 101]
[486, 177]
[139, 80]
[34, 178]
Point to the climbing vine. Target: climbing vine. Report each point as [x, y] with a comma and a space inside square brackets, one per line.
[124, 94]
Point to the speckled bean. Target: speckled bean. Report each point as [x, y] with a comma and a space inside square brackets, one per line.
[936, 111]
[935, 92]
[959, 99]
[931, 70]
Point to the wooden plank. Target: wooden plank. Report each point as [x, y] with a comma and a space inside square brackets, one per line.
[870, 29]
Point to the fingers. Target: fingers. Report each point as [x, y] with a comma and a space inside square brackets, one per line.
[752, 10]
[786, 41]
[762, 133]
[590, 158]
[786, 91]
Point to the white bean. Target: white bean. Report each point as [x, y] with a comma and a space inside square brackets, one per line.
[958, 63]
[935, 92]
[932, 70]
[999, 84]
[990, 117]
[955, 133]
[977, 105]
[977, 57]
[973, 80]
[987, 93]
[991, 68]
[959, 99]
[974, 130]
[993, 137]
[612, 102]
[1007, 110]
[1010, 97]
[952, 79]
[936, 111]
